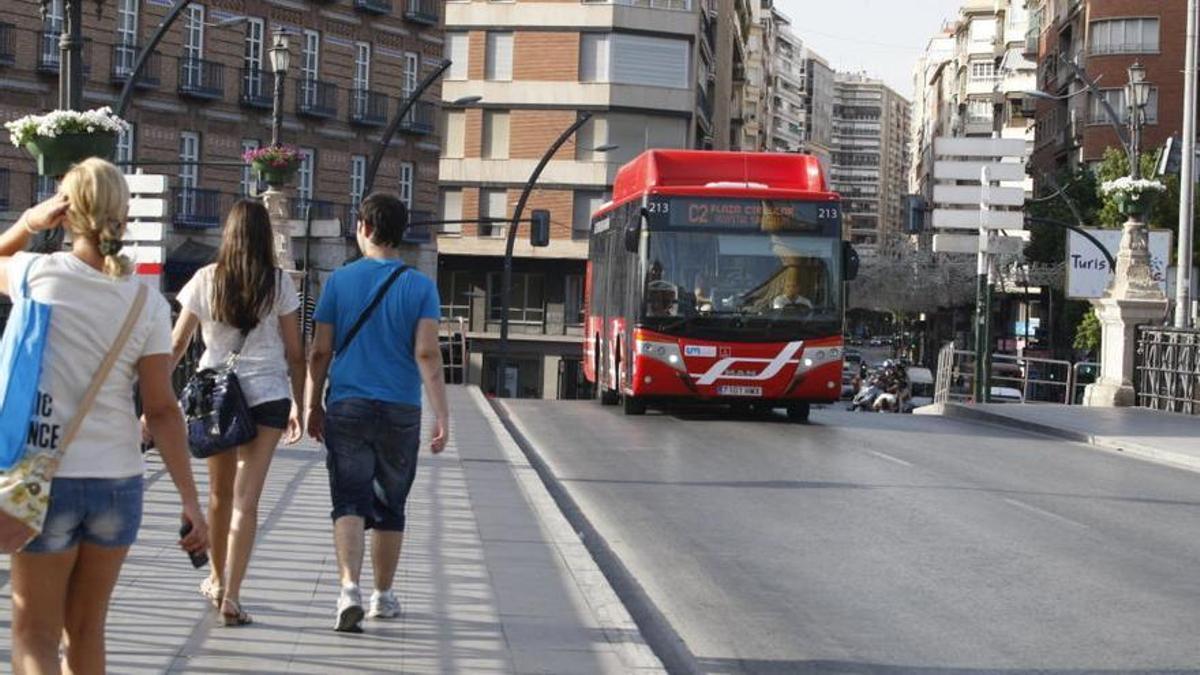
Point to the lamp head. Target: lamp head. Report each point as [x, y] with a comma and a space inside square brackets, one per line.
[281, 56]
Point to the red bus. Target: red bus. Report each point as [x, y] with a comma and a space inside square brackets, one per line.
[717, 276]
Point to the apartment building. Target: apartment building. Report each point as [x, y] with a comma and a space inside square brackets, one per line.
[1104, 38]
[973, 80]
[802, 96]
[206, 97]
[756, 91]
[870, 156]
[534, 66]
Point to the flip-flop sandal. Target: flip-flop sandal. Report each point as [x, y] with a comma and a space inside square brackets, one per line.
[212, 593]
[236, 618]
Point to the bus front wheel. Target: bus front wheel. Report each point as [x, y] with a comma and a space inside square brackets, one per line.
[798, 412]
[632, 405]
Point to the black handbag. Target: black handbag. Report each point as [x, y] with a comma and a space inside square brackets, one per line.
[218, 417]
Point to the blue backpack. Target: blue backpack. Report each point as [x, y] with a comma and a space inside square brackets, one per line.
[21, 352]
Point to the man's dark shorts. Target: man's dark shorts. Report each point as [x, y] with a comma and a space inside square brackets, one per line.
[371, 453]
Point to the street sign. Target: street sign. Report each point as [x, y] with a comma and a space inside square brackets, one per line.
[972, 195]
[961, 219]
[146, 184]
[978, 147]
[144, 233]
[969, 243]
[956, 170]
[1088, 273]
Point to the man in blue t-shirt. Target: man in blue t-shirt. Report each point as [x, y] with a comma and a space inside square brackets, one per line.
[377, 322]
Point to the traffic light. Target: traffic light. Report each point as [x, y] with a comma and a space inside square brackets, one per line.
[539, 228]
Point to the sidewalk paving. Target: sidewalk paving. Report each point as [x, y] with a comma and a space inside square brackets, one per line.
[492, 579]
[1167, 438]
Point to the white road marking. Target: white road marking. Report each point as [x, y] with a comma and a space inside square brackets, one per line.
[1049, 514]
[884, 455]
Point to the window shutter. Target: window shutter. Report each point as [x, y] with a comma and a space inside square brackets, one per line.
[499, 56]
[457, 50]
[651, 61]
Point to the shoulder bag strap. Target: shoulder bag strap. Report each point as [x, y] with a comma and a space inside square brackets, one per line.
[101, 375]
[366, 314]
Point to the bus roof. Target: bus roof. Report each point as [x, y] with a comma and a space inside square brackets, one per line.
[726, 174]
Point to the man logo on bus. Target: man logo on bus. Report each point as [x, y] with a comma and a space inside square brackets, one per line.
[698, 213]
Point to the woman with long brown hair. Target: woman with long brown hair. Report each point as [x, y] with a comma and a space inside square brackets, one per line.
[244, 304]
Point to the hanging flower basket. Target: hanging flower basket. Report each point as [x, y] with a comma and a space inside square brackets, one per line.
[1133, 197]
[61, 138]
[275, 164]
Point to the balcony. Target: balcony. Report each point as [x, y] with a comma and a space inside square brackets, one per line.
[368, 108]
[201, 79]
[420, 227]
[7, 56]
[196, 208]
[419, 119]
[124, 58]
[374, 6]
[49, 56]
[350, 221]
[315, 98]
[256, 91]
[321, 210]
[422, 11]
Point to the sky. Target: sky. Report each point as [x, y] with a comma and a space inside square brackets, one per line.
[882, 37]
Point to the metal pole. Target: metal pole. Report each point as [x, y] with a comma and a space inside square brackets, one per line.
[983, 292]
[386, 140]
[506, 288]
[70, 63]
[1135, 135]
[1187, 178]
[144, 56]
[277, 109]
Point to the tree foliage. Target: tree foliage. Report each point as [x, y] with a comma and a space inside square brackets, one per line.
[1087, 333]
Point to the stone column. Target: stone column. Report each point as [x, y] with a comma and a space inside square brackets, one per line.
[1133, 297]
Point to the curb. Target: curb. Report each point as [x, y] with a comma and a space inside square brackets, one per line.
[657, 631]
[1136, 450]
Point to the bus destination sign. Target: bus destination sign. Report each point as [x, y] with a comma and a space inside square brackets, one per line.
[744, 214]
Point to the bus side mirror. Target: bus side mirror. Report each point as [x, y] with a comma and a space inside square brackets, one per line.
[633, 235]
[539, 228]
[849, 261]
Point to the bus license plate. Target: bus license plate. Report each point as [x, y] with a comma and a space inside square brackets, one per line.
[739, 391]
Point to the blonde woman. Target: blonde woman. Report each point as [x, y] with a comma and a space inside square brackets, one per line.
[62, 581]
[243, 303]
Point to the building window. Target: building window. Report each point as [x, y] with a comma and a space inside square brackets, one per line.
[127, 23]
[249, 183]
[126, 141]
[1116, 98]
[573, 300]
[1124, 36]
[979, 112]
[450, 208]
[304, 177]
[412, 71]
[189, 155]
[362, 65]
[252, 60]
[526, 303]
[587, 202]
[310, 67]
[54, 17]
[457, 50]
[593, 57]
[407, 177]
[495, 134]
[983, 70]
[455, 290]
[625, 58]
[358, 179]
[456, 129]
[493, 204]
[498, 63]
[193, 34]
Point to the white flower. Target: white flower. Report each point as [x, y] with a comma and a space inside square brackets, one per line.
[58, 122]
[1128, 186]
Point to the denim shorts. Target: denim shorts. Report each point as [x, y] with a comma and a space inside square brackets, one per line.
[273, 414]
[102, 511]
[371, 453]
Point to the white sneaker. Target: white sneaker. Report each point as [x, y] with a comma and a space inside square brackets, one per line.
[384, 605]
[349, 611]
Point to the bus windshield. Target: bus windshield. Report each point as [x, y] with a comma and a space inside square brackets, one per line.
[747, 285]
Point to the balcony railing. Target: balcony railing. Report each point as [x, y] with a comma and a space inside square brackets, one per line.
[420, 227]
[1167, 369]
[7, 55]
[201, 78]
[49, 56]
[368, 108]
[419, 119]
[349, 220]
[422, 11]
[315, 98]
[374, 6]
[44, 188]
[257, 89]
[321, 210]
[197, 208]
[679, 5]
[4, 190]
[124, 58]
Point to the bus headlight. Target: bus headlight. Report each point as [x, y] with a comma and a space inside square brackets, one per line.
[663, 352]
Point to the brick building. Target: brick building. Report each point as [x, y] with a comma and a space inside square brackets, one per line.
[1104, 37]
[207, 96]
[652, 75]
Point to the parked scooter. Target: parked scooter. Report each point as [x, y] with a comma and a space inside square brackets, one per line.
[886, 391]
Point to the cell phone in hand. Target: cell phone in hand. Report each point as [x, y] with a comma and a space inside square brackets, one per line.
[198, 559]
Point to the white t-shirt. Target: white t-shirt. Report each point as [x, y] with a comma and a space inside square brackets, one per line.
[262, 368]
[88, 310]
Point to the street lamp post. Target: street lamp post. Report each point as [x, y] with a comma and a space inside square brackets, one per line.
[281, 59]
[394, 126]
[506, 287]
